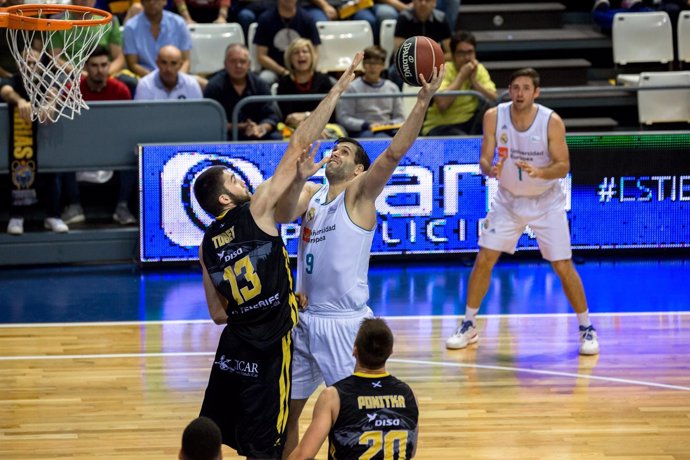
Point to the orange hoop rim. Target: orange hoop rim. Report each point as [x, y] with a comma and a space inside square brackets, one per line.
[23, 17]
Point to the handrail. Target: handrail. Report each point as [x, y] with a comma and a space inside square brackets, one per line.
[595, 89]
[317, 97]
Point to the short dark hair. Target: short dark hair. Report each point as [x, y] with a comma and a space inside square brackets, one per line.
[374, 52]
[361, 157]
[201, 440]
[99, 50]
[208, 187]
[526, 72]
[374, 343]
[462, 36]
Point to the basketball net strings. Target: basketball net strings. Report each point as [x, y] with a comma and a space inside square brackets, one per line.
[52, 77]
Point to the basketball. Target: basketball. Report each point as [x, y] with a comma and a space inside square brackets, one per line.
[418, 55]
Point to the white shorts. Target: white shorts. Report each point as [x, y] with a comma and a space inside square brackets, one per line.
[545, 214]
[323, 349]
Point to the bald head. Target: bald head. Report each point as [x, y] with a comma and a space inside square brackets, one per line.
[169, 63]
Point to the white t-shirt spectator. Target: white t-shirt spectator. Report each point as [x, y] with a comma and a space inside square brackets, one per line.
[151, 87]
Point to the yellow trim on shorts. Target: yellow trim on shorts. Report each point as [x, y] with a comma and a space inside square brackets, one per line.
[284, 384]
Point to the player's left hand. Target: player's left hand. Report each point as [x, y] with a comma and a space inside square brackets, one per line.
[430, 88]
[532, 171]
[305, 163]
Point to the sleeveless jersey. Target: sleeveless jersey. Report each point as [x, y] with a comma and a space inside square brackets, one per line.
[250, 268]
[531, 146]
[377, 419]
[333, 256]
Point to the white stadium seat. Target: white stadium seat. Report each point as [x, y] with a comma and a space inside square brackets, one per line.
[664, 106]
[387, 37]
[209, 42]
[642, 37]
[684, 37]
[340, 41]
[251, 32]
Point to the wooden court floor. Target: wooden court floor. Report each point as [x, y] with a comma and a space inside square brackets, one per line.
[126, 390]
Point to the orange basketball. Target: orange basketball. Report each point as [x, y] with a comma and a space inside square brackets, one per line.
[418, 55]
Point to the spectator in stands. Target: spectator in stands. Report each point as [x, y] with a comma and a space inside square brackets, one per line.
[97, 85]
[456, 115]
[168, 81]
[330, 10]
[256, 121]
[24, 177]
[146, 33]
[372, 117]
[111, 40]
[201, 440]
[422, 19]
[204, 11]
[276, 29]
[300, 60]
[246, 12]
[123, 9]
[603, 11]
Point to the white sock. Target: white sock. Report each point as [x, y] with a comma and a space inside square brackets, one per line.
[471, 314]
[583, 319]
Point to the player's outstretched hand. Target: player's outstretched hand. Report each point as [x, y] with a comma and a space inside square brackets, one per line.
[429, 88]
[305, 163]
[349, 75]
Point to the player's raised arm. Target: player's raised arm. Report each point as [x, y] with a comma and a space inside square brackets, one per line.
[266, 197]
[383, 167]
[305, 134]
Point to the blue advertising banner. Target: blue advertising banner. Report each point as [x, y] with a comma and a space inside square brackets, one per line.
[624, 191]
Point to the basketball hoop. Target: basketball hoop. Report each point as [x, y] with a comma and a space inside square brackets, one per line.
[52, 78]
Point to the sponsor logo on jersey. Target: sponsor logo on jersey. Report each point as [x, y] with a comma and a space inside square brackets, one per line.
[535, 139]
[238, 366]
[306, 234]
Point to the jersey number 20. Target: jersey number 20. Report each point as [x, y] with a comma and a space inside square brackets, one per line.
[245, 269]
[378, 440]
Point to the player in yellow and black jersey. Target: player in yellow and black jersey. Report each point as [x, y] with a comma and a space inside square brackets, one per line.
[248, 287]
[370, 414]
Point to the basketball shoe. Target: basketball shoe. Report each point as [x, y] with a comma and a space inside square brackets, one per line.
[465, 335]
[589, 345]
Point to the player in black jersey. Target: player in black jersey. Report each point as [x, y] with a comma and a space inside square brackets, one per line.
[370, 414]
[248, 286]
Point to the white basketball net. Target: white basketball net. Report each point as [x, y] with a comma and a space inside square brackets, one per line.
[51, 76]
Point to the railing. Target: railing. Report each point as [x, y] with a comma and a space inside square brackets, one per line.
[317, 97]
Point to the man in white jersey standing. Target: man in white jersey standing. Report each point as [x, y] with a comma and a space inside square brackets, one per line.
[532, 156]
[338, 223]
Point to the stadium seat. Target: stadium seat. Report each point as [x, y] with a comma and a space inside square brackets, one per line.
[684, 37]
[387, 37]
[340, 41]
[642, 37]
[209, 42]
[256, 67]
[664, 106]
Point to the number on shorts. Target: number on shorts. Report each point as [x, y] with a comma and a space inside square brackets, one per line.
[378, 440]
[245, 269]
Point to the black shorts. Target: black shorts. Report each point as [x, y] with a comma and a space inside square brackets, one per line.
[248, 395]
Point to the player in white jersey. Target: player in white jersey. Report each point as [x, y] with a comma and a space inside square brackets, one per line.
[529, 141]
[338, 222]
